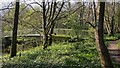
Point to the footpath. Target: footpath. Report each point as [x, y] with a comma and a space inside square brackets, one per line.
[114, 51]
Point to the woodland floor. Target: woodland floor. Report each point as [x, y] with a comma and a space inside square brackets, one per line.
[114, 51]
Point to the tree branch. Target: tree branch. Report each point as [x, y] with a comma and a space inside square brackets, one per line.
[50, 11]
[31, 6]
[6, 20]
[91, 24]
[70, 13]
[52, 22]
[5, 9]
[32, 13]
[48, 8]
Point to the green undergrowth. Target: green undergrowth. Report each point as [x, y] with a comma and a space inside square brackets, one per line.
[59, 55]
[112, 38]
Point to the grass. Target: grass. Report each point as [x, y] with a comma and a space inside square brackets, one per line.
[59, 55]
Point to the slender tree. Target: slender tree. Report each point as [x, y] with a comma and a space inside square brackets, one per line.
[102, 49]
[14, 35]
[99, 36]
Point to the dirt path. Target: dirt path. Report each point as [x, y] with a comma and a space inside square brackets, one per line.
[114, 51]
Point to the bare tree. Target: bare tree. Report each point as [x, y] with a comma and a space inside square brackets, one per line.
[50, 15]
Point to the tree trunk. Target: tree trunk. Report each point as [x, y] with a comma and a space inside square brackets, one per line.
[14, 36]
[45, 37]
[45, 43]
[102, 49]
[112, 27]
[103, 52]
[51, 32]
[118, 27]
[113, 20]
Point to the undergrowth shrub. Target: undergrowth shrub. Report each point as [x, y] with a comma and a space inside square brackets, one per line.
[59, 55]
